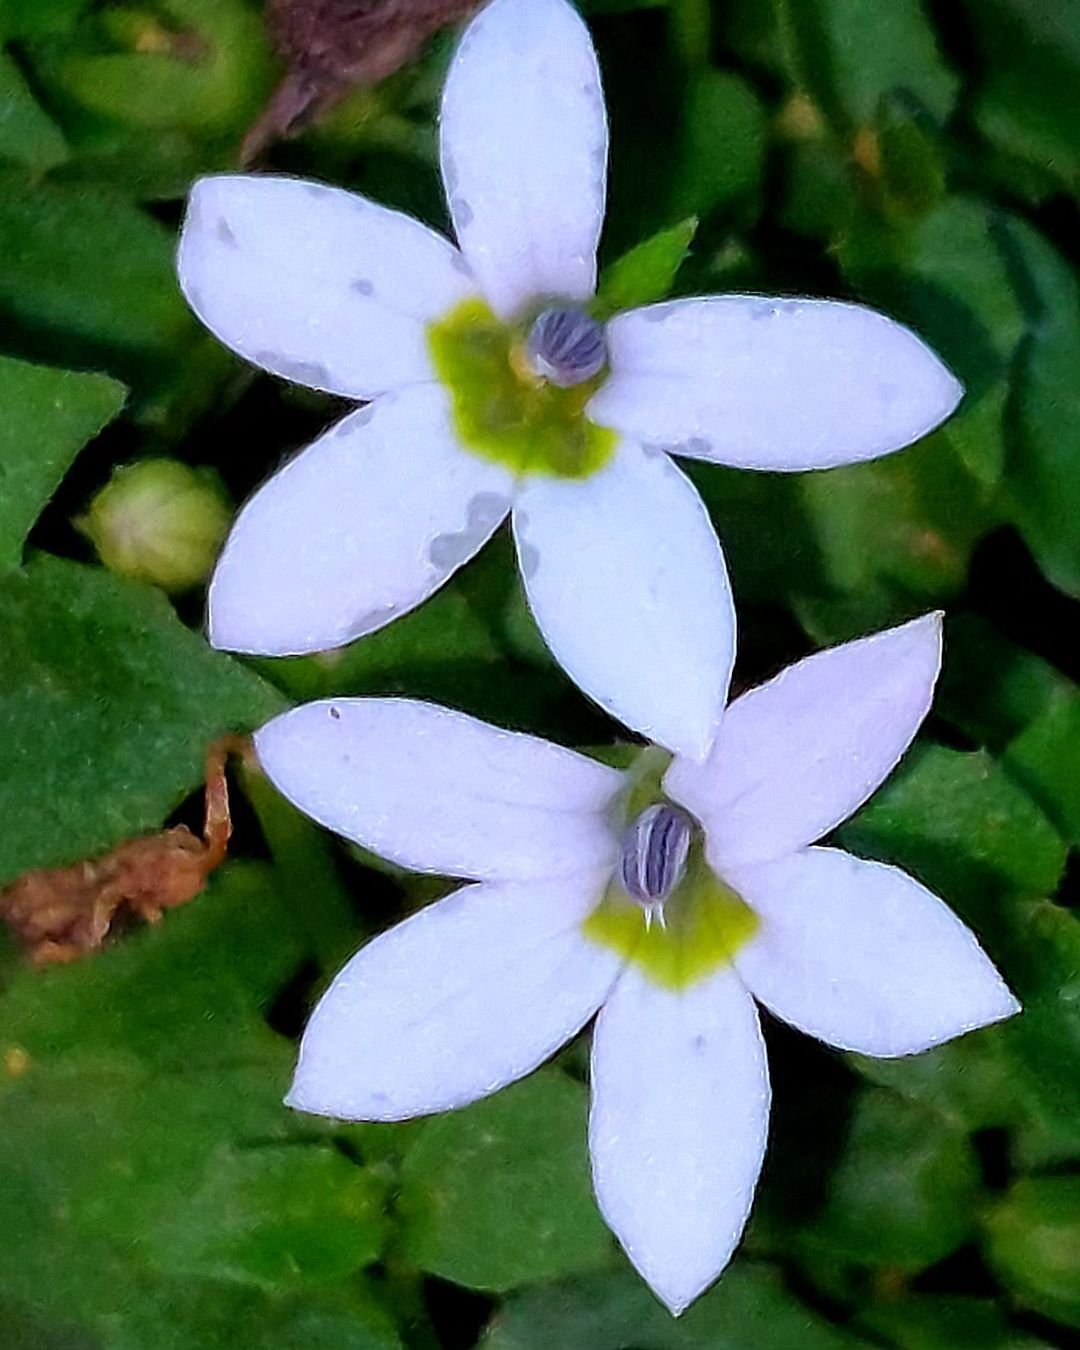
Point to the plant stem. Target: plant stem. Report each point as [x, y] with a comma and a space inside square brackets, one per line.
[304, 860]
[691, 29]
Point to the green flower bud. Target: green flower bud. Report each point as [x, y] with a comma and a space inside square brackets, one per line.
[161, 521]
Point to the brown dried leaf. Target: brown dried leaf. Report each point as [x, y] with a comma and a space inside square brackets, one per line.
[62, 913]
[333, 46]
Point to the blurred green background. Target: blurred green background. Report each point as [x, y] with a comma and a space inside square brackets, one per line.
[921, 156]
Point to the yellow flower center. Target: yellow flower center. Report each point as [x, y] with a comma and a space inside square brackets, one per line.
[700, 928]
[682, 922]
[503, 410]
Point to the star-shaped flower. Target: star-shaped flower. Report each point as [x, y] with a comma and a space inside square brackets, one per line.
[496, 391]
[668, 897]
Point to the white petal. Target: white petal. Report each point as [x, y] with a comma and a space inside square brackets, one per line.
[678, 1125]
[524, 152]
[455, 1002]
[863, 957]
[771, 384]
[626, 579]
[356, 530]
[795, 757]
[437, 791]
[316, 284]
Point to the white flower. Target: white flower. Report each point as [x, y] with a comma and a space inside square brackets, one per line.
[481, 987]
[617, 551]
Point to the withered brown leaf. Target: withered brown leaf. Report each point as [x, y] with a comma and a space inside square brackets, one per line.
[333, 46]
[62, 913]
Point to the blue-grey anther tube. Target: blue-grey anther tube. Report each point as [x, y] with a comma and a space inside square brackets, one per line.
[566, 346]
[655, 852]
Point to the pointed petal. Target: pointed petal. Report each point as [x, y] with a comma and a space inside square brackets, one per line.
[863, 957]
[315, 284]
[771, 384]
[437, 791]
[524, 152]
[356, 530]
[626, 579]
[678, 1126]
[456, 1002]
[795, 757]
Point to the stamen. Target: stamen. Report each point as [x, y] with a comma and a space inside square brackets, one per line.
[655, 853]
[566, 346]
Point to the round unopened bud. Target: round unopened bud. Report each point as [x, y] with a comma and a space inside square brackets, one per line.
[161, 521]
[655, 852]
[566, 346]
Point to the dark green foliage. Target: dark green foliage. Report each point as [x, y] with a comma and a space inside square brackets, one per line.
[154, 1193]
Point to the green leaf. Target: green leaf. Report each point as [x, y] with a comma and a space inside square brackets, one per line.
[273, 1217]
[719, 156]
[107, 706]
[979, 436]
[1014, 114]
[1027, 48]
[948, 276]
[1040, 942]
[970, 1081]
[962, 825]
[87, 279]
[111, 1306]
[151, 1139]
[690, 30]
[693, 142]
[1044, 1141]
[27, 135]
[751, 30]
[818, 200]
[851, 549]
[1043, 473]
[1033, 1242]
[903, 1191]
[211, 82]
[848, 54]
[946, 1322]
[498, 1195]
[49, 415]
[184, 991]
[1045, 758]
[750, 1309]
[39, 18]
[912, 168]
[894, 538]
[991, 688]
[152, 1184]
[647, 272]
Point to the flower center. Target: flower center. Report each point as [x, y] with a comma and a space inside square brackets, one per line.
[566, 346]
[666, 910]
[519, 391]
[656, 849]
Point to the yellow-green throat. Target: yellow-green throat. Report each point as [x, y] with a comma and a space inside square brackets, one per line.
[665, 909]
[519, 391]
